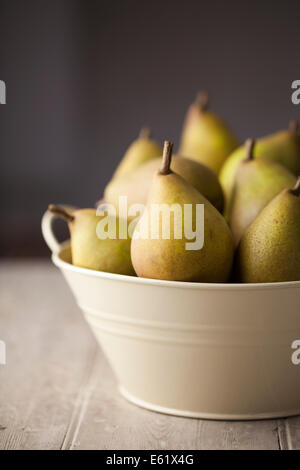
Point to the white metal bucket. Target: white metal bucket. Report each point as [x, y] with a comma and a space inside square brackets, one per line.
[216, 351]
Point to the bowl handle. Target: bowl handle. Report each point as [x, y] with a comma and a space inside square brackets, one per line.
[47, 230]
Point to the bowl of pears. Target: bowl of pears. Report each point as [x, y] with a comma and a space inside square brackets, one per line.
[205, 324]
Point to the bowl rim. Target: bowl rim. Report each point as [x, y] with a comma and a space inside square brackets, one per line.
[60, 263]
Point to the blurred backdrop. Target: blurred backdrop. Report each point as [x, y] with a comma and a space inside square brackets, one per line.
[82, 77]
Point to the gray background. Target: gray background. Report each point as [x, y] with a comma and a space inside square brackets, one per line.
[83, 76]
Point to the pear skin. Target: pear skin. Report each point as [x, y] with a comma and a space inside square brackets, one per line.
[136, 184]
[161, 258]
[269, 249]
[140, 151]
[257, 182]
[206, 138]
[91, 252]
[282, 147]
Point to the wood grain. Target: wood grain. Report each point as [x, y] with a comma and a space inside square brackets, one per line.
[57, 390]
[293, 433]
[48, 348]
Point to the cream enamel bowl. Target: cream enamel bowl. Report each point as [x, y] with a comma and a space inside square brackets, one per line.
[217, 351]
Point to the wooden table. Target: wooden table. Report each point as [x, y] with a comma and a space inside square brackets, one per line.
[58, 392]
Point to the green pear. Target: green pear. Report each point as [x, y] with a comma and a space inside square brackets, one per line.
[282, 147]
[136, 184]
[140, 151]
[159, 254]
[269, 249]
[90, 251]
[205, 137]
[257, 182]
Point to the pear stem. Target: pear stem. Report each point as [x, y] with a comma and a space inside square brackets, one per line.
[166, 158]
[294, 127]
[202, 100]
[61, 211]
[145, 133]
[296, 189]
[249, 146]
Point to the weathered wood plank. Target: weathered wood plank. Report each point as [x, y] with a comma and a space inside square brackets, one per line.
[282, 434]
[293, 433]
[48, 349]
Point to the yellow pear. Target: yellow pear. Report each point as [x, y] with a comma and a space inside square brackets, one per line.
[282, 147]
[206, 138]
[140, 151]
[159, 253]
[257, 182]
[269, 249]
[88, 250]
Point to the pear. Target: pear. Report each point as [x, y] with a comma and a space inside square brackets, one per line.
[140, 151]
[205, 137]
[282, 147]
[90, 251]
[157, 254]
[257, 182]
[269, 249]
[136, 184]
